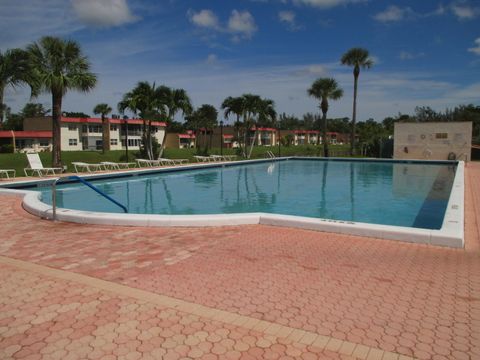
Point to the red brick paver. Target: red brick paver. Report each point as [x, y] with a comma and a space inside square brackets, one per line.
[55, 319]
[409, 299]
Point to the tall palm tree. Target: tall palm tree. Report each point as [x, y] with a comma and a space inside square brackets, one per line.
[173, 101]
[265, 115]
[358, 58]
[234, 105]
[103, 109]
[14, 70]
[57, 66]
[324, 89]
[143, 101]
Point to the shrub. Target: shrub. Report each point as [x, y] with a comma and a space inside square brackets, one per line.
[6, 149]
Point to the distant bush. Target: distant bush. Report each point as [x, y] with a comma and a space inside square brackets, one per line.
[6, 149]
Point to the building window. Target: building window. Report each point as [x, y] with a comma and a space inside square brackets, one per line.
[134, 142]
[441, 136]
[113, 128]
[95, 128]
[72, 142]
[44, 143]
[72, 127]
[113, 142]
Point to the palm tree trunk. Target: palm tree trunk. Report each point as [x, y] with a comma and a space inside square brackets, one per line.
[2, 105]
[162, 145]
[144, 137]
[324, 134]
[252, 144]
[354, 115]
[149, 140]
[105, 134]
[56, 129]
[164, 140]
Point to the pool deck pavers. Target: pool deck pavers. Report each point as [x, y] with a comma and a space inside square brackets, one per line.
[72, 291]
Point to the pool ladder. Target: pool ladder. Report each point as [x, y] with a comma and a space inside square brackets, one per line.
[270, 155]
[84, 182]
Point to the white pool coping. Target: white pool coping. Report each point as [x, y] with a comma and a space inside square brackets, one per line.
[451, 233]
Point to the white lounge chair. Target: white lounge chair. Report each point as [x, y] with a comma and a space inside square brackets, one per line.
[110, 165]
[216, 158]
[172, 161]
[86, 166]
[148, 163]
[36, 167]
[6, 172]
[203, 158]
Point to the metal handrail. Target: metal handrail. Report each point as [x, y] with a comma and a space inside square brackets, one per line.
[84, 182]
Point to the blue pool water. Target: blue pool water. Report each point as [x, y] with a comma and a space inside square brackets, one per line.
[391, 193]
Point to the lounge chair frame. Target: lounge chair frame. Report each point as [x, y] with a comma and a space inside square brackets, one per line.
[86, 166]
[36, 167]
[6, 172]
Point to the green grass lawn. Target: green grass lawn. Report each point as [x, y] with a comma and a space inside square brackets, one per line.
[19, 161]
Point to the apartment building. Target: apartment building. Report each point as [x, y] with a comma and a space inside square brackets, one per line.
[86, 133]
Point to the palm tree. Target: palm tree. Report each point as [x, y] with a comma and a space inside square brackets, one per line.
[143, 101]
[13, 71]
[358, 58]
[57, 66]
[324, 89]
[265, 115]
[173, 101]
[205, 117]
[104, 110]
[234, 105]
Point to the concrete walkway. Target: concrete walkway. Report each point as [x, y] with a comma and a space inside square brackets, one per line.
[71, 291]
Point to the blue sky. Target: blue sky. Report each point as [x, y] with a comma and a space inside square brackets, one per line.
[425, 52]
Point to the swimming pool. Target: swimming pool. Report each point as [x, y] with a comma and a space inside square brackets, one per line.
[401, 194]
[402, 200]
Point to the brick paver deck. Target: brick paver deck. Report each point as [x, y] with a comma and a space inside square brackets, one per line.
[286, 292]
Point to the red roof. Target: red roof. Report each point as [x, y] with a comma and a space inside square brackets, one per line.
[112, 121]
[186, 136]
[26, 134]
[227, 136]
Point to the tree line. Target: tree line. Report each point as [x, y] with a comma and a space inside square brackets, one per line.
[55, 66]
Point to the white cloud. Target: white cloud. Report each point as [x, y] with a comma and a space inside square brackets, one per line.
[406, 55]
[204, 18]
[476, 48]
[376, 60]
[325, 4]
[465, 12]
[393, 14]
[104, 13]
[312, 70]
[288, 18]
[22, 22]
[242, 24]
[211, 59]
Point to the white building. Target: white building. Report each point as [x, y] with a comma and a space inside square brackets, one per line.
[86, 133]
[433, 140]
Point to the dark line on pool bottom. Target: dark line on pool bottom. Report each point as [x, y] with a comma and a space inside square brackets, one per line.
[430, 216]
